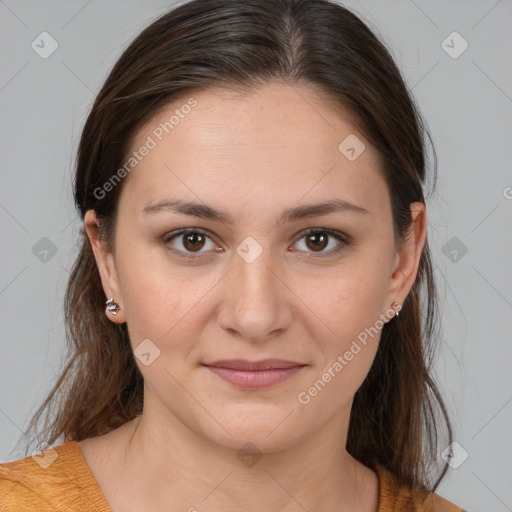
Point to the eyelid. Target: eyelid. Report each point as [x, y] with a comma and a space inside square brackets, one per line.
[175, 234]
[343, 239]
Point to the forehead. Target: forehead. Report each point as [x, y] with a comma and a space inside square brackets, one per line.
[275, 144]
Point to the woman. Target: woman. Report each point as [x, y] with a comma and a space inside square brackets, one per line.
[245, 310]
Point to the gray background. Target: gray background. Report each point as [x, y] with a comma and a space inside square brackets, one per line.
[467, 102]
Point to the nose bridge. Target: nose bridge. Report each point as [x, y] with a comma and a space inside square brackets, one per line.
[255, 304]
[253, 276]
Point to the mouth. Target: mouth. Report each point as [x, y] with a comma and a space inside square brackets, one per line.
[255, 374]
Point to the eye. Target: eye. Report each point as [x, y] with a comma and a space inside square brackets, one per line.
[193, 240]
[317, 239]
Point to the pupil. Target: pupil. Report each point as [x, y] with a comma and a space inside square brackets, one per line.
[318, 243]
[190, 239]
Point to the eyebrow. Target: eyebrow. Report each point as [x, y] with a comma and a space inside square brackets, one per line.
[296, 213]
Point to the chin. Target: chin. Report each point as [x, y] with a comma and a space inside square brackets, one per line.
[254, 443]
[263, 434]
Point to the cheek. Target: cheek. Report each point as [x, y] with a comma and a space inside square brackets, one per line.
[161, 300]
[333, 388]
[346, 356]
[351, 307]
[352, 301]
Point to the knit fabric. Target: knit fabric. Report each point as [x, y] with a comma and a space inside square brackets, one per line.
[60, 481]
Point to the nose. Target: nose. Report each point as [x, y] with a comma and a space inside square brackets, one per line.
[256, 303]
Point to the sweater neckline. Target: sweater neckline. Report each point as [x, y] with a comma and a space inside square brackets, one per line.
[90, 485]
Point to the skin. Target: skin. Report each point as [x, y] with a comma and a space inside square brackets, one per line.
[254, 156]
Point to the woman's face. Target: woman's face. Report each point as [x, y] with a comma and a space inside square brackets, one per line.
[254, 285]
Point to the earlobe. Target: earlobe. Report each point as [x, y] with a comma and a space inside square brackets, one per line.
[107, 270]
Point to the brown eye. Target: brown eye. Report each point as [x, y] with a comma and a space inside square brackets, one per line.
[193, 241]
[316, 240]
[188, 242]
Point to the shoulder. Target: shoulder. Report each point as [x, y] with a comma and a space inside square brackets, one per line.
[23, 482]
[393, 497]
[19, 488]
[52, 480]
[436, 503]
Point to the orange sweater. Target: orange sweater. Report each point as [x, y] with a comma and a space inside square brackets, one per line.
[61, 481]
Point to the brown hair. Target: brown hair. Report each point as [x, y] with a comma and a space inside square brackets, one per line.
[243, 44]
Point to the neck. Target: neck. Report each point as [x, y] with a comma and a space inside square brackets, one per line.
[161, 459]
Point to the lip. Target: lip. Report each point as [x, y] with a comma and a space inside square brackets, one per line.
[244, 364]
[255, 374]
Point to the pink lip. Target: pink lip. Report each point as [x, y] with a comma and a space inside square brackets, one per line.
[244, 364]
[255, 378]
[254, 374]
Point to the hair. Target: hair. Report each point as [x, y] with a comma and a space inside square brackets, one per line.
[243, 45]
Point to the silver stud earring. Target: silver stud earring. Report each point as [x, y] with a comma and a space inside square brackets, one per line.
[395, 306]
[112, 307]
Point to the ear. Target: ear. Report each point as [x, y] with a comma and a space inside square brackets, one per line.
[407, 257]
[106, 267]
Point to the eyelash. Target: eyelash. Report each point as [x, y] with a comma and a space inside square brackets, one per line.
[340, 237]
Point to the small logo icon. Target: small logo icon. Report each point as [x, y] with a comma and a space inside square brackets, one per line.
[147, 352]
[249, 249]
[454, 45]
[454, 455]
[45, 455]
[454, 249]
[249, 455]
[352, 147]
[44, 250]
[44, 45]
